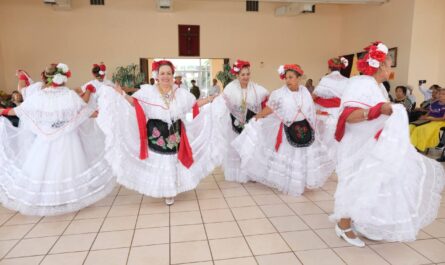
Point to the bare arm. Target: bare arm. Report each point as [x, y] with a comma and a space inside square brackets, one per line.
[11, 112]
[264, 113]
[204, 101]
[362, 114]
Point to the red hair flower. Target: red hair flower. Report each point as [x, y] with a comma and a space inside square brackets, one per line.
[376, 54]
[157, 64]
[239, 64]
[293, 67]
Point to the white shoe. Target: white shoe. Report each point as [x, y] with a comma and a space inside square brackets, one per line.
[170, 201]
[353, 241]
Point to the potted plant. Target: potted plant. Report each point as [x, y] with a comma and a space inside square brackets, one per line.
[225, 77]
[129, 76]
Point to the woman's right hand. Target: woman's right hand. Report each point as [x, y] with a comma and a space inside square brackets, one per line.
[386, 109]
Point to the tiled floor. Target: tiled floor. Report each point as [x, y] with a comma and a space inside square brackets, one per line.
[219, 223]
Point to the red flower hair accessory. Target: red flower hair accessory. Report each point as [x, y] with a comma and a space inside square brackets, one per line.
[157, 64]
[102, 68]
[338, 63]
[376, 54]
[239, 64]
[293, 67]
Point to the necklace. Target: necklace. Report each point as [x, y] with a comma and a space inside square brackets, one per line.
[166, 97]
[243, 100]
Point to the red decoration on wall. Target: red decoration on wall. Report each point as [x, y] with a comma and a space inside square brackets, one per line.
[188, 40]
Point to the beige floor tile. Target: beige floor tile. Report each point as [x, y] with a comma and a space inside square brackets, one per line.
[107, 201]
[259, 190]
[207, 186]
[303, 240]
[326, 206]
[58, 218]
[108, 257]
[330, 185]
[228, 248]
[22, 261]
[92, 213]
[267, 244]
[19, 219]
[243, 201]
[152, 208]
[234, 192]
[185, 233]
[359, 256]
[277, 210]
[184, 206]
[48, 229]
[72, 243]
[319, 257]
[288, 223]
[5, 246]
[185, 218]
[267, 199]
[229, 185]
[211, 204]
[199, 263]
[218, 215]
[237, 261]
[423, 235]
[256, 227]
[32, 247]
[318, 221]
[124, 210]
[436, 229]
[4, 210]
[84, 226]
[190, 252]
[157, 255]
[293, 199]
[128, 199]
[153, 220]
[278, 259]
[119, 223]
[151, 236]
[432, 249]
[328, 235]
[251, 212]
[187, 196]
[76, 258]
[146, 199]
[5, 217]
[125, 191]
[209, 194]
[303, 208]
[113, 239]
[14, 231]
[222, 230]
[399, 254]
[318, 196]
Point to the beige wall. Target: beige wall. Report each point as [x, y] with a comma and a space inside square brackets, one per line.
[390, 23]
[123, 31]
[427, 49]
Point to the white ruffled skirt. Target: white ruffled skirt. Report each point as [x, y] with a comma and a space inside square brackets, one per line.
[326, 125]
[159, 175]
[291, 169]
[385, 186]
[41, 176]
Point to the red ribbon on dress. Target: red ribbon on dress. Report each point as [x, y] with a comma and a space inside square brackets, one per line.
[374, 113]
[90, 88]
[24, 78]
[279, 137]
[328, 102]
[6, 111]
[142, 125]
[264, 102]
[195, 110]
[185, 154]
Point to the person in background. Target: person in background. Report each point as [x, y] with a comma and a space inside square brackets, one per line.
[179, 83]
[427, 92]
[215, 89]
[152, 81]
[402, 98]
[410, 95]
[310, 86]
[195, 90]
[16, 99]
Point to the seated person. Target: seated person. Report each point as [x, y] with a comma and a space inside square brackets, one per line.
[427, 135]
[402, 98]
[425, 105]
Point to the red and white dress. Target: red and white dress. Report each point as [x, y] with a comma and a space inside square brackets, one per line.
[329, 92]
[388, 189]
[155, 149]
[284, 150]
[53, 163]
[228, 119]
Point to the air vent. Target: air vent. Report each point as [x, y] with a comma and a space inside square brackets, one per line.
[252, 6]
[97, 2]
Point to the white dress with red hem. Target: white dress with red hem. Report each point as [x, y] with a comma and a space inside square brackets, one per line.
[388, 189]
[227, 113]
[160, 174]
[290, 169]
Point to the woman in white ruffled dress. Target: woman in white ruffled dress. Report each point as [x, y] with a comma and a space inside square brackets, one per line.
[240, 101]
[327, 95]
[282, 149]
[50, 165]
[154, 144]
[386, 190]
